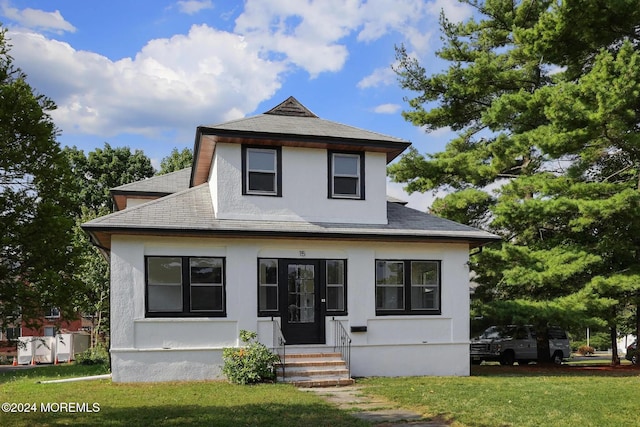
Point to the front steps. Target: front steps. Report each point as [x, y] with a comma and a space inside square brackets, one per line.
[314, 370]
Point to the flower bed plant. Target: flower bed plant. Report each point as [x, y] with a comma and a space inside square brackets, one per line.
[252, 363]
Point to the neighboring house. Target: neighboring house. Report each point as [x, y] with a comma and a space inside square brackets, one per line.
[283, 224]
[48, 325]
[51, 324]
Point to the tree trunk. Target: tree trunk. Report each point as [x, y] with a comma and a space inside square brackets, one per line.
[615, 360]
[637, 319]
[542, 341]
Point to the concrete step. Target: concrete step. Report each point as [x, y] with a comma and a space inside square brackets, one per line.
[314, 370]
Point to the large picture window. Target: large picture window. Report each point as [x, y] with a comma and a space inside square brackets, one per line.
[185, 286]
[346, 175]
[261, 171]
[407, 287]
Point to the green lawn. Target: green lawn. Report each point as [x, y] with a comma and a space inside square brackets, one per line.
[169, 404]
[517, 396]
[492, 396]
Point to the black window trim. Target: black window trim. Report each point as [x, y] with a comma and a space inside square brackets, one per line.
[245, 183]
[344, 286]
[330, 195]
[266, 313]
[186, 289]
[407, 311]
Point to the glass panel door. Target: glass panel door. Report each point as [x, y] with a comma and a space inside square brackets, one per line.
[302, 315]
[301, 288]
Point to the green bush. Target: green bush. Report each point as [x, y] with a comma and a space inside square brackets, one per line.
[251, 363]
[97, 355]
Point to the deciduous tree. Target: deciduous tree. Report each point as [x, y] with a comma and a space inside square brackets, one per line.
[36, 211]
[176, 160]
[95, 173]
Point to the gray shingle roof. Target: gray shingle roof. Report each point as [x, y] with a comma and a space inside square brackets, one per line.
[167, 184]
[191, 211]
[292, 118]
[302, 126]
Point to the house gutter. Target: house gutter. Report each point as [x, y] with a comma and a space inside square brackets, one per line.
[475, 241]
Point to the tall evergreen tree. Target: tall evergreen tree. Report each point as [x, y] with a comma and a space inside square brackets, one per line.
[545, 98]
[36, 221]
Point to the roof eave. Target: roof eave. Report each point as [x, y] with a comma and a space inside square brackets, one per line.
[98, 230]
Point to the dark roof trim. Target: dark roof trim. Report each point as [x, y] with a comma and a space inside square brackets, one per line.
[282, 138]
[140, 193]
[472, 241]
[244, 134]
[393, 149]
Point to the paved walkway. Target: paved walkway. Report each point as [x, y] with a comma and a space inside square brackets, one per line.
[374, 410]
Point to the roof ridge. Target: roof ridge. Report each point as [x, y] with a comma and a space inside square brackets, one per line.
[291, 107]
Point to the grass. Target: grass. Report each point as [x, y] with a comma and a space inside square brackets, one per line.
[519, 396]
[493, 396]
[163, 404]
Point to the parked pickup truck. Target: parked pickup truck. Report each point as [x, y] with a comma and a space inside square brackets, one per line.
[509, 344]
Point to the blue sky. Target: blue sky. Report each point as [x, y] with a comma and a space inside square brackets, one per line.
[146, 73]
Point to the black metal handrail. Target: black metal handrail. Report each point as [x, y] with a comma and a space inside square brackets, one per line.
[342, 343]
[279, 343]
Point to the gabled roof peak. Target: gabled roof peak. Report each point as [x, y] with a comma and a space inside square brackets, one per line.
[291, 107]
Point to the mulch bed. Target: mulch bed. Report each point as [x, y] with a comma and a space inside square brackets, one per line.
[534, 369]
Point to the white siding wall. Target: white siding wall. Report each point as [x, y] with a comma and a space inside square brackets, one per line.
[188, 349]
[304, 189]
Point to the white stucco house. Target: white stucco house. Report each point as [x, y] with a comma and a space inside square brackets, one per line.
[282, 226]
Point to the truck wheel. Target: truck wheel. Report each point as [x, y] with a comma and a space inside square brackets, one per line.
[508, 358]
[557, 358]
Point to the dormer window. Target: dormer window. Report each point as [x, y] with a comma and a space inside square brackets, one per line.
[346, 175]
[262, 171]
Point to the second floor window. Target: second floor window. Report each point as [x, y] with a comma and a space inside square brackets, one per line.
[346, 175]
[261, 171]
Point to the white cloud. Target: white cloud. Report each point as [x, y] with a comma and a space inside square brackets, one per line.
[382, 16]
[203, 77]
[380, 77]
[191, 7]
[206, 75]
[387, 109]
[306, 32]
[38, 19]
[312, 34]
[454, 11]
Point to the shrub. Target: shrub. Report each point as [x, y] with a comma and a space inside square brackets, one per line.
[586, 350]
[97, 355]
[251, 363]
